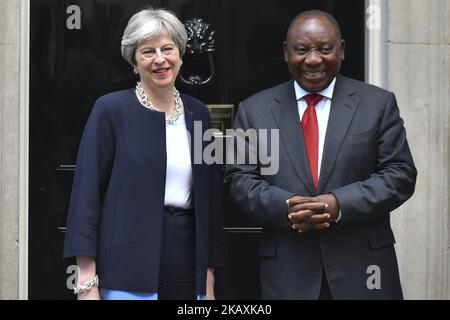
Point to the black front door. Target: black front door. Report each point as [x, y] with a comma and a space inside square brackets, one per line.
[75, 58]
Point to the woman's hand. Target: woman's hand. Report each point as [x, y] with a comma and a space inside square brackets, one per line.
[210, 284]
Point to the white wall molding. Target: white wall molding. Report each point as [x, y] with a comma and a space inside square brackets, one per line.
[24, 147]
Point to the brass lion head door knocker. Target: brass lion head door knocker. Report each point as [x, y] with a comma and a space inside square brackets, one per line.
[198, 68]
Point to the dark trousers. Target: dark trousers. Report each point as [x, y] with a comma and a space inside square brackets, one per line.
[177, 267]
[325, 293]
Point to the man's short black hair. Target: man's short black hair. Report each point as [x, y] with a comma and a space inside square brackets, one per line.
[316, 14]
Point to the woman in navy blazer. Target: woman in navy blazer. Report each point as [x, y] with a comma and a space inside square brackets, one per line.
[145, 219]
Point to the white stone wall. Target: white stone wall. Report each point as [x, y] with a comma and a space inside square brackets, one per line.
[418, 73]
[9, 147]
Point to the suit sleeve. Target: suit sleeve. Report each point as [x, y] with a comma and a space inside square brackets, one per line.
[265, 204]
[394, 179]
[94, 163]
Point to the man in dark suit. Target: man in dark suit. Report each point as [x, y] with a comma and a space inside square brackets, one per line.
[343, 165]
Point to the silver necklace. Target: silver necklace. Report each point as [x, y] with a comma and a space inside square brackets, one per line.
[143, 99]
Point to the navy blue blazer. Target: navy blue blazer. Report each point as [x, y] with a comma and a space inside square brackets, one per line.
[117, 200]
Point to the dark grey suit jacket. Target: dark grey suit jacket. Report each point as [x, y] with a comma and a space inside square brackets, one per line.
[366, 164]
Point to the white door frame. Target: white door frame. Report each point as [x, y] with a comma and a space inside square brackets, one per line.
[376, 35]
[24, 146]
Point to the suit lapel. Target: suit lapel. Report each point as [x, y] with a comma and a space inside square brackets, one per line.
[343, 107]
[285, 112]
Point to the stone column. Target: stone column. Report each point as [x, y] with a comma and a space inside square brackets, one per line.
[10, 36]
[418, 70]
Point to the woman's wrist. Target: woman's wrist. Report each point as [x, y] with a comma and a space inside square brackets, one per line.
[85, 286]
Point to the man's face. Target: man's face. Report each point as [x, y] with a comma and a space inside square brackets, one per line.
[313, 52]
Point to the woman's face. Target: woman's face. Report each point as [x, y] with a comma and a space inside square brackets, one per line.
[158, 62]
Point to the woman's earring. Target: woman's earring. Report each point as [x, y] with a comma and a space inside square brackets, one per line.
[135, 71]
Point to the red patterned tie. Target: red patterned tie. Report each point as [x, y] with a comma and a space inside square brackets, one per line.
[311, 135]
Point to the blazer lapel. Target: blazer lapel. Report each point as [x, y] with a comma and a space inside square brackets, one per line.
[343, 107]
[285, 112]
[189, 119]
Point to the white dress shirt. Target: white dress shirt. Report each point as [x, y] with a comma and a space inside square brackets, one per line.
[322, 111]
[178, 191]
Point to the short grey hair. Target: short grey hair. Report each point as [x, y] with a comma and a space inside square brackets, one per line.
[151, 24]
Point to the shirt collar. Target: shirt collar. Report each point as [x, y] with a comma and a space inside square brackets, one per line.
[327, 92]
